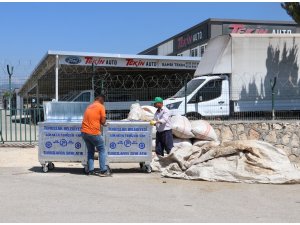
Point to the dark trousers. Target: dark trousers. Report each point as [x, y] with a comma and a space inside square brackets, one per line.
[164, 141]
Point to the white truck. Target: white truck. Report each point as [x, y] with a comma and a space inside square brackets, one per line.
[236, 75]
[117, 107]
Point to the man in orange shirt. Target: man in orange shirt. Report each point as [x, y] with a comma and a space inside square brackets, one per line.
[95, 116]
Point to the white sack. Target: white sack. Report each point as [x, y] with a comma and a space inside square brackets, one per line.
[153, 132]
[149, 109]
[142, 113]
[199, 143]
[136, 112]
[234, 161]
[181, 127]
[182, 143]
[174, 160]
[178, 143]
[203, 130]
[149, 112]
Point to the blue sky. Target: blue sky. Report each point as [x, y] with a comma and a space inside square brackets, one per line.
[28, 30]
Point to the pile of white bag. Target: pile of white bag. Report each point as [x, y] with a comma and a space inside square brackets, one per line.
[185, 133]
[198, 155]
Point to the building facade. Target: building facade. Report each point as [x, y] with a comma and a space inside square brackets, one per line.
[193, 41]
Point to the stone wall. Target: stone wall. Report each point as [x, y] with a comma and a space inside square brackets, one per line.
[282, 134]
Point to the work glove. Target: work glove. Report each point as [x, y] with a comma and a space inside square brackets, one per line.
[153, 122]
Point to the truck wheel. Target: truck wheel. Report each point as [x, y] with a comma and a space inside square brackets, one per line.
[51, 166]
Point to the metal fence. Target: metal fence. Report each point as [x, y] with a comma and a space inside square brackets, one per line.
[20, 125]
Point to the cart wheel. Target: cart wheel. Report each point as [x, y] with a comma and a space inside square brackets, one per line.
[142, 165]
[86, 169]
[51, 166]
[45, 168]
[148, 168]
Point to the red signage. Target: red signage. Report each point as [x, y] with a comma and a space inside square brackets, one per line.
[92, 60]
[182, 42]
[241, 29]
[132, 62]
[189, 39]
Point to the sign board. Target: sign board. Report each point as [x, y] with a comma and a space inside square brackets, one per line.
[257, 29]
[127, 62]
[61, 142]
[128, 141]
[192, 37]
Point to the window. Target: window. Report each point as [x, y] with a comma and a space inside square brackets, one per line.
[84, 97]
[209, 91]
[191, 86]
[202, 49]
[194, 52]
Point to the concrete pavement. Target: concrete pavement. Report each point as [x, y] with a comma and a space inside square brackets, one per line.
[66, 195]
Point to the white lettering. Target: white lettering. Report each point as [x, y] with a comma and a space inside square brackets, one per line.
[281, 31]
[167, 64]
[151, 64]
[111, 62]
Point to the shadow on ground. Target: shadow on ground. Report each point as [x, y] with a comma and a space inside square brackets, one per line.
[80, 171]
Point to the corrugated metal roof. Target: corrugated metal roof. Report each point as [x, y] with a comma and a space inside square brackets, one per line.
[124, 56]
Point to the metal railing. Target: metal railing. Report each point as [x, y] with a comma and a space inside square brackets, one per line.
[20, 125]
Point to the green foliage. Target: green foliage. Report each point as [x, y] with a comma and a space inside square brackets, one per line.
[293, 10]
[6, 95]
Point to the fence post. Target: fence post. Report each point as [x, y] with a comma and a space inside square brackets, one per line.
[56, 77]
[1, 127]
[10, 71]
[185, 97]
[273, 83]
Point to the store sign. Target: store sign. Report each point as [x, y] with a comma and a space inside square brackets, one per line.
[189, 39]
[257, 29]
[195, 36]
[127, 62]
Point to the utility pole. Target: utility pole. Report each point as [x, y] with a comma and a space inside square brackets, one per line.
[10, 71]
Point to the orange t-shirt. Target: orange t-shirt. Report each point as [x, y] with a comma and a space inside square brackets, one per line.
[92, 117]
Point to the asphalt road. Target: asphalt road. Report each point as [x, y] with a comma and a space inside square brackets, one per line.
[66, 195]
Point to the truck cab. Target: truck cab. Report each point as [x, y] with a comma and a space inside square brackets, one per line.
[79, 96]
[206, 96]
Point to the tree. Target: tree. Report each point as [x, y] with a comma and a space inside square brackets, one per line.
[6, 95]
[293, 9]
